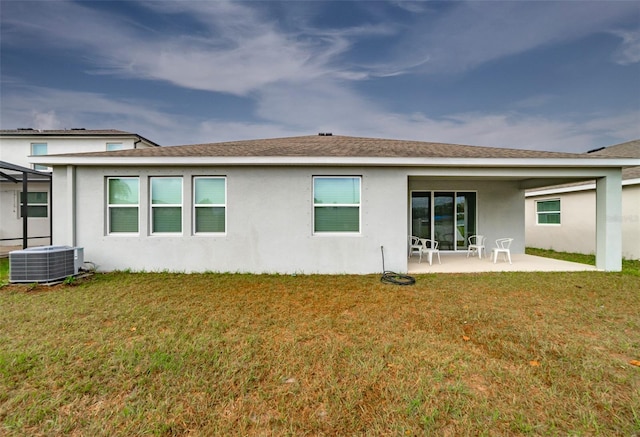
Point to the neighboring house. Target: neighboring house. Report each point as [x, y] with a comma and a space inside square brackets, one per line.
[312, 204]
[15, 148]
[563, 217]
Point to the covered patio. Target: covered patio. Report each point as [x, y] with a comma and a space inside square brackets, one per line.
[457, 262]
[450, 205]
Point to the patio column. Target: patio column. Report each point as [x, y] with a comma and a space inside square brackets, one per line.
[609, 222]
[71, 206]
[64, 198]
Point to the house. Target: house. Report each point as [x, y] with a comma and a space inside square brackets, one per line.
[563, 217]
[311, 204]
[15, 148]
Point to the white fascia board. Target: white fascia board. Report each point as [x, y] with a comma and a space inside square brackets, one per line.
[575, 188]
[631, 182]
[51, 160]
[43, 136]
[560, 190]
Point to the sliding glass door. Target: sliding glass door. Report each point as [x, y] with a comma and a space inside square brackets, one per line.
[465, 218]
[421, 214]
[448, 216]
[444, 220]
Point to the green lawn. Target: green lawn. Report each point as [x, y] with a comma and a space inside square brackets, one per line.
[565, 256]
[217, 354]
[4, 271]
[628, 266]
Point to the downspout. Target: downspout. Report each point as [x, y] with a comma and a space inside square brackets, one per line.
[25, 210]
[51, 209]
[135, 143]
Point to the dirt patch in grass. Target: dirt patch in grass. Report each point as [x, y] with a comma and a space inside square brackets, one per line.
[174, 354]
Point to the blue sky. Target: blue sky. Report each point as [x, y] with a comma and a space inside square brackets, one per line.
[540, 75]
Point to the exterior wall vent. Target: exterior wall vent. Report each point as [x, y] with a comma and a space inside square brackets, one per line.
[45, 264]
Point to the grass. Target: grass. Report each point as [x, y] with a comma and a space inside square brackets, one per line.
[215, 354]
[628, 266]
[564, 256]
[4, 271]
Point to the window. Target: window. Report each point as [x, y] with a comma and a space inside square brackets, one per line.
[37, 204]
[166, 205]
[123, 196]
[209, 204]
[336, 204]
[548, 212]
[114, 146]
[38, 149]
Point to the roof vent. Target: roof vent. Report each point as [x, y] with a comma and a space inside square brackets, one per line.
[25, 128]
[325, 134]
[596, 150]
[78, 128]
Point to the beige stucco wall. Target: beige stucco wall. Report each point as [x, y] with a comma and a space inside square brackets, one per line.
[269, 220]
[269, 224]
[631, 222]
[16, 150]
[576, 233]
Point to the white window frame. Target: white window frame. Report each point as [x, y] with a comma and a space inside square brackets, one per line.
[432, 214]
[118, 205]
[152, 206]
[538, 213]
[111, 147]
[334, 205]
[209, 205]
[38, 166]
[19, 193]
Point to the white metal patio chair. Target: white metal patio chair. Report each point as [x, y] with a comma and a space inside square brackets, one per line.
[430, 247]
[502, 246]
[476, 244]
[415, 247]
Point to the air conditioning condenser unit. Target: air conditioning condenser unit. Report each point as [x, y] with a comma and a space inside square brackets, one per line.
[45, 264]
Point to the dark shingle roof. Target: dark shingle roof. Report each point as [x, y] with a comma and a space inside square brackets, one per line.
[630, 149]
[631, 173]
[333, 146]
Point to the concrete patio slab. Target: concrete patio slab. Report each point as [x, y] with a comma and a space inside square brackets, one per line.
[457, 262]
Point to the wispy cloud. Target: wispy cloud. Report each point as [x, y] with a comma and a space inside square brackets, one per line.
[305, 111]
[473, 33]
[629, 51]
[415, 7]
[295, 75]
[327, 107]
[48, 108]
[534, 101]
[237, 50]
